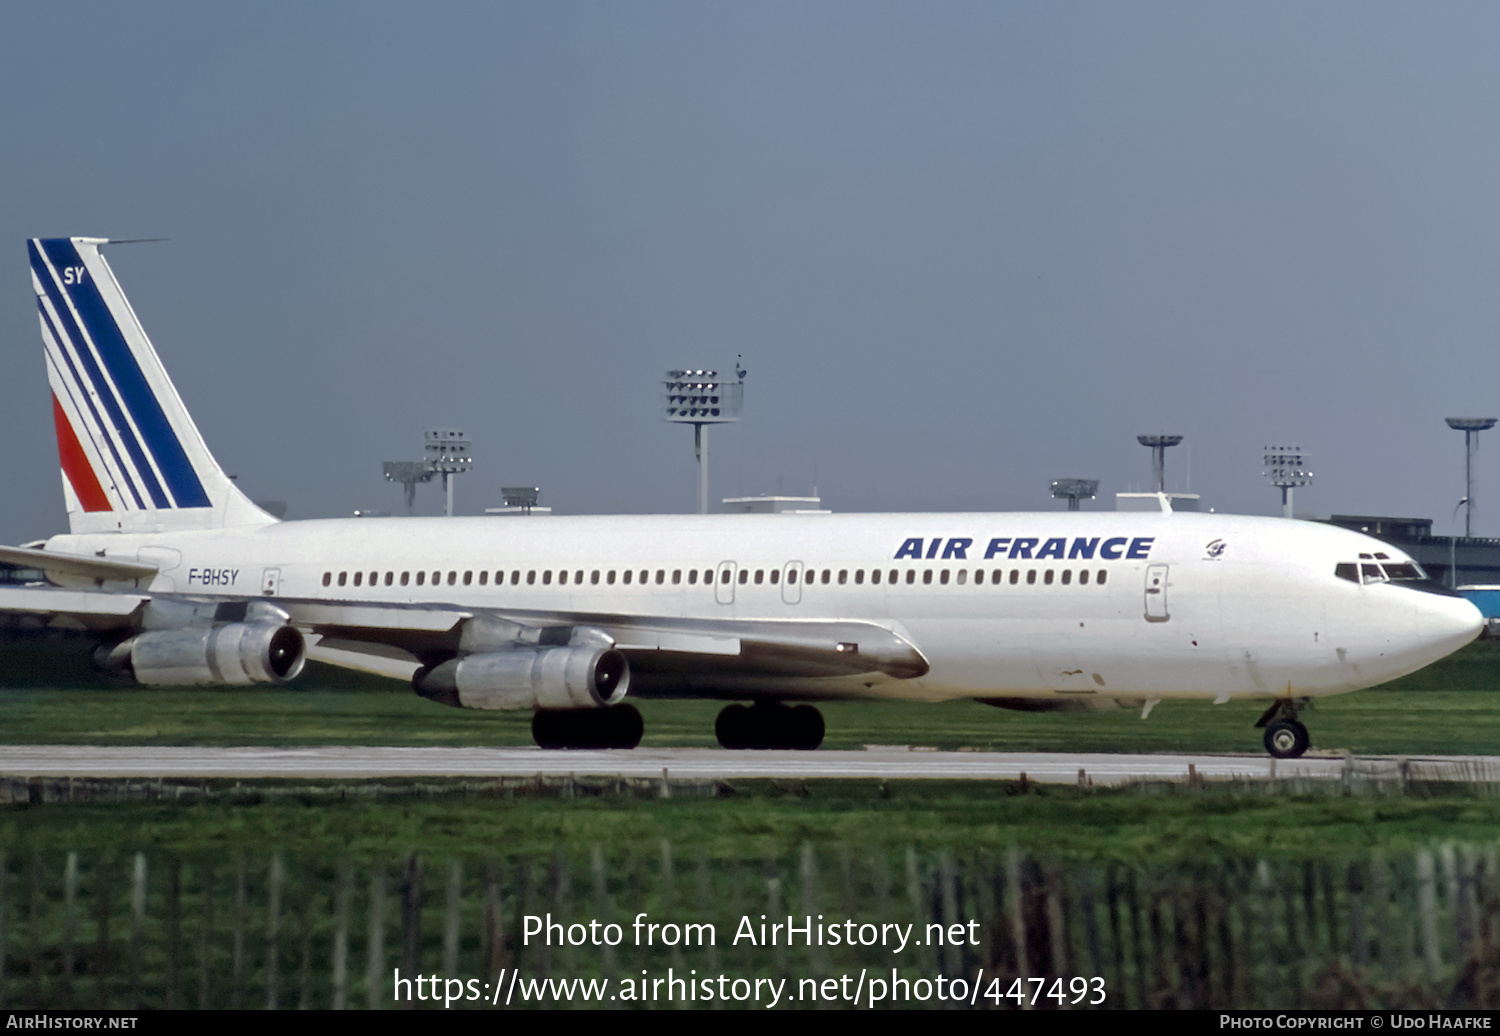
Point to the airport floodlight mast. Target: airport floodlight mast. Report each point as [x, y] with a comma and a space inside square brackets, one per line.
[1075, 489]
[1471, 427]
[524, 497]
[409, 473]
[448, 455]
[1158, 445]
[1286, 469]
[447, 451]
[699, 398]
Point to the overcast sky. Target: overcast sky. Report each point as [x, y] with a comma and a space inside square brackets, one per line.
[964, 249]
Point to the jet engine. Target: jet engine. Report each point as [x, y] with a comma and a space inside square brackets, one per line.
[575, 676]
[229, 654]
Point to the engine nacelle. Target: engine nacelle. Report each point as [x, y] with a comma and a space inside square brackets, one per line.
[576, 676]
[232, 654]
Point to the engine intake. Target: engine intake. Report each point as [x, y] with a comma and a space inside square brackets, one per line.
[233, 654]
[578, 676]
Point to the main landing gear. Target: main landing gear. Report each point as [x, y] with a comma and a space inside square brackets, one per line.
[617, 727]
[769, 725]
[1286, 737]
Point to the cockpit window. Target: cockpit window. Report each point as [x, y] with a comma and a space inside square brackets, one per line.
[1403, 573]
[1371, 571]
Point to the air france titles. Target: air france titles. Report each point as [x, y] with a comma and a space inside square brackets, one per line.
[1028, 548]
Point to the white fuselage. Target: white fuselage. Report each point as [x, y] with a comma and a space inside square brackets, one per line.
[1156, 606]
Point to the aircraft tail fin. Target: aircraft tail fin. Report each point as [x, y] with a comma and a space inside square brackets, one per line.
[132, 459]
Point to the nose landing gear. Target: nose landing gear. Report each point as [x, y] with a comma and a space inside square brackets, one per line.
[1286, 737]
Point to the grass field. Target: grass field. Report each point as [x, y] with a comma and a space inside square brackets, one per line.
[770, 820]
[1450, 707]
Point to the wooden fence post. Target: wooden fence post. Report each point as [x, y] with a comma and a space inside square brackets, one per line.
[375, 972]
[137, 927]
[70, 929]
[341, 897]
[273, 930]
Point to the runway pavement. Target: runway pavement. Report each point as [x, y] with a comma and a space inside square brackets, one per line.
[893, 763]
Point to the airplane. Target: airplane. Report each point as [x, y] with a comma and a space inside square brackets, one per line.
[182, 581]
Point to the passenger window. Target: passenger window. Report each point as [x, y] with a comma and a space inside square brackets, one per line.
[468, 578]
[1015, 576]
[1047, 577]
[1083, 578]
[343, 578]
[911, 576]
[562, 577]
[692, 577]
[594, 577]
[661, 576]
[791, 576]
[927, 576]
[760, 576]
[895, 576]
[515, 577]
[1103, 574]
[359, 576]
[405, 578]
[531, 578]
[1030, 577]
[998, 576]
[859, 577]
[327, 578]
[962, 575]
[1067, 576]
[421, 578]
[609, 577]
[875, 577]
[843, 577]
[547, 577]
[708, 576]
[744, 576]
[437, 577]
[943, 577]
[484, 578]
[775, 576]
[724, 576]
[628, 575]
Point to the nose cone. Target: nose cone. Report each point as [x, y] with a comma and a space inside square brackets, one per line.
[1446, 624]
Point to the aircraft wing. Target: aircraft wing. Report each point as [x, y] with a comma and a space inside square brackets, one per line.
[74, 609]
[78, 569]
[667, 653]
[670, 652]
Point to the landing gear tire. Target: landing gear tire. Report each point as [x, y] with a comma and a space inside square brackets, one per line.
[1286, 738]
[769, 725]
[618, 727]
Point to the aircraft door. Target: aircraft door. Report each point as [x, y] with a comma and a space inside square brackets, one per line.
[724, 582]
[791, 583]
[270, 581]
[1156, 594]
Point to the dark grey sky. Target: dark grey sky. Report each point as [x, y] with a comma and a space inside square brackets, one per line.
[964, 248]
